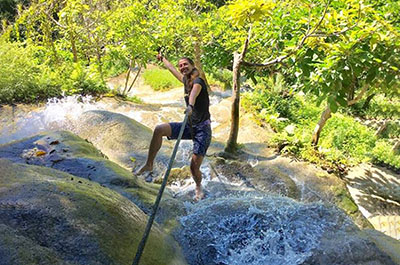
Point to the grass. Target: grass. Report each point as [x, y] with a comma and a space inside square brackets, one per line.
[160, 79]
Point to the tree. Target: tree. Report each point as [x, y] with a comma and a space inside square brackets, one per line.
[339, 51]
[243, 15]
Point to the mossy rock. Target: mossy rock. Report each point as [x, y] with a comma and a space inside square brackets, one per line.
[69, 153]
[51, 217]
[176, 175]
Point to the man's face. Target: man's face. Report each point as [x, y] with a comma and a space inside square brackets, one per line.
[185, 67]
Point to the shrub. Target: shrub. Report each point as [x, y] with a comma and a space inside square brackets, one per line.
[160, 79]
[221, 78]
[383, 153]
[20, 77]
[343, 141]
[27, 76]
[352, 139]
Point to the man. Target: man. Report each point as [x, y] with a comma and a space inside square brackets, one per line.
[198, 127]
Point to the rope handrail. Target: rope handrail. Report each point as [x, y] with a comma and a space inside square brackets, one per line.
[158, 199]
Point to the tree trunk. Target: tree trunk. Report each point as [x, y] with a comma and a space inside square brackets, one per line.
[134, 80]
[73, 46]
[320, 125]
[382, 128]
[197, 62]
[396, 146]
[99, 61]
[368, 101]
[231, 145]
[128, 74]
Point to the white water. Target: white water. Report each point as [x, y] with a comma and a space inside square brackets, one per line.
[57, 114]
[251, 230]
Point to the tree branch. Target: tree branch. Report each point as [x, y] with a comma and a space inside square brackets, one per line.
[359, 96]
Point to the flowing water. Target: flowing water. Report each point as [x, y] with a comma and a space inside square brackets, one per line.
[255, 229]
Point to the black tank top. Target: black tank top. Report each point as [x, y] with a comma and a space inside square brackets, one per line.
[201, 107]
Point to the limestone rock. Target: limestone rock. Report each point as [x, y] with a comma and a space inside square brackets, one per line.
[71, 154]
[377, 193]
[119, 137]
[51, 217]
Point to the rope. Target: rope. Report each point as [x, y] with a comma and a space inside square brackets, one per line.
[158, 199]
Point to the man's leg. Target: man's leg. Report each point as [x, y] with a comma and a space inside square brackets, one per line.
[196, 174]
[155, 145]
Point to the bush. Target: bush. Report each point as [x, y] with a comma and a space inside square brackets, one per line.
[160, 79]
[20, 77]
[354, 140]
[221, 78]
[383, 153]
[27, 76]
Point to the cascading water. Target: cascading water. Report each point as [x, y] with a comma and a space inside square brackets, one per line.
[57, 114]
[65, 113]
[255, 230]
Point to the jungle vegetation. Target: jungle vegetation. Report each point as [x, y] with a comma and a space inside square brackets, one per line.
[324, 74]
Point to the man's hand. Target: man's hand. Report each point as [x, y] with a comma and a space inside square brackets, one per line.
[189, 110]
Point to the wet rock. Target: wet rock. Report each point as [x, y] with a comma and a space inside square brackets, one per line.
[119, 137]
[46, 217]
[347, 247]
[85, 161]
[176, 176]
[244, 174]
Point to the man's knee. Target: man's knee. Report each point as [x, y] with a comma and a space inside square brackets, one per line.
[162, 130]
[195, 163]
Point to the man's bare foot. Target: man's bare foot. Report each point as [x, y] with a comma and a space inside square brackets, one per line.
[199, 194]
[143, 170]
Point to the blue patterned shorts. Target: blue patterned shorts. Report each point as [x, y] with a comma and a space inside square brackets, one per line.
[201, 135]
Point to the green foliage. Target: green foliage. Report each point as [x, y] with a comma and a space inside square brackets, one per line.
[221, 78]
[383, 153]
[244, 12]
[383, 108]
[78, 79]
[343, 142]
[354, 140]
[279, 107]
[29, 77]
[134, 99]
[21, 78]
[160, 79]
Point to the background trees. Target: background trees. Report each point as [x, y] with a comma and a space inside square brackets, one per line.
[342, 54]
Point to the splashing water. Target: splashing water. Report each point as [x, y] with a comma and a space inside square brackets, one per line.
[256, 231]
[55, 115]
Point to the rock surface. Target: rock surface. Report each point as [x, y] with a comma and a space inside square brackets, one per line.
[123, 140]
[69, 153]
[51, 217]
[377, 192]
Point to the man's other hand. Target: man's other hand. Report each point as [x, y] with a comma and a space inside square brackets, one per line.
[189, 110]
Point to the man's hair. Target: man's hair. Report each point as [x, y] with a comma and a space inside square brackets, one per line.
[187, 59]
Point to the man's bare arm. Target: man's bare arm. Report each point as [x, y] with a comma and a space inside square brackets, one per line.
[194, 93]
[171, 68]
